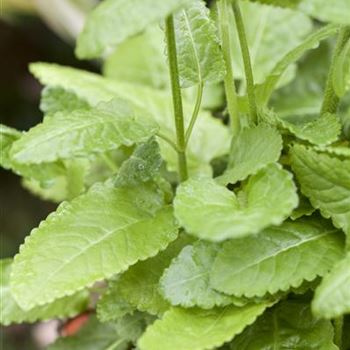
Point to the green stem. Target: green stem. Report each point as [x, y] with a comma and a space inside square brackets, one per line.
[177, 98]
[168, 140]
[116, 344]
[246, 60]
[338, 331]
[195, 112]
[109, 162]
[331, 100]
[229, 82]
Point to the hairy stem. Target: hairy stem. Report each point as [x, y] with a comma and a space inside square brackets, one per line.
[338, 331]
[229, 82]
[331, 100]
[177, 98]
[195, 112]
[246, 60]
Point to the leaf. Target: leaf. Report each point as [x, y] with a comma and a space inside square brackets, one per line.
[210, 211]
[97, 235]
[279, 258]
[143, 165]
[304, 208]
[82, 132]
[196, 329]
[280, 3]
[341, 73]
[251, 150]
[332, 297]
[140, 284]
[12, 313]
[7, 137]
[264, 90]
[199, 54]
[186, 281]
[210, 138]
[113, 21]
[325, 181]
[289, 325]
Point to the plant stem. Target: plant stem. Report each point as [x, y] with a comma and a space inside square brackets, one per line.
[246, 60]
[195, 112]
[115, 344]
[338, 331]
[331, 100]
[168, 140]
[177, 98]
[109, 162]
[229, 82]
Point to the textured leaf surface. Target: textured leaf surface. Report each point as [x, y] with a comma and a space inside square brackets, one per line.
[332, 297]
[212, 212]
[250, 151]
[341, 74]
[278, 258]
[83, 132]
[289, 325]
[12, 313]
[91, 238]
[199, 55]
[325, 180]
[7, 137]
[196, 329]
[113, 21]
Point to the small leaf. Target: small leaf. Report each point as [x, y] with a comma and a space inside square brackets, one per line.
[7, 137]
[289, 325]
[210, 211]
[277, 259]
[113, 21]
[199, 54]
[196, 329]
[251, 150]
[332, 297]
[325, 180]
[97, 235]
[12, 313]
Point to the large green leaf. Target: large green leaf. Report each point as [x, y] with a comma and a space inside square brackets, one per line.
[209, 139]
[251, 150]
[199, 55]
[196, 329]
[325, 180]
[113, 21]
[212, 212]
[83, 132]
[332, 297]
[288, 326]
[95, 236]
[278, 258]
[12, 313]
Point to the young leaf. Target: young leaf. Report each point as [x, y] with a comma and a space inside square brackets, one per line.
[7, 137]
[140, 284]
[279, 258]
[113, 21]
[325, 181]
[12, 313]
[289, 325]
[341, 73]
[332, 297]
[210, 211]
[199, 55]
[251, 150]
[97, 235]
[186, 281]
[198, 329]
[82, 133]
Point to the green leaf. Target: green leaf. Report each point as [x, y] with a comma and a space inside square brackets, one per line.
[142, 166]
[289, 325]
[304, 208]
[12, 313]
[83, 132]
[264, 91]
[210, 211]
[325, 180]
[332, 297]
[7, 137]
[278, 258]
[199, 55]
[341, 73]
[251, 150]
[280, 3]
[140, 284]
[113, 21]
[197, 329]
[95, 236]
[186, 281]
